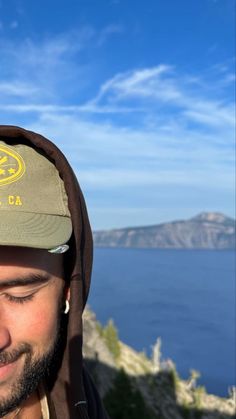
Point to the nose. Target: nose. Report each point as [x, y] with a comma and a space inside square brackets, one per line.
[5, 338]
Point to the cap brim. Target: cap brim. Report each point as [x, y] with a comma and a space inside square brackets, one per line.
[40, 231]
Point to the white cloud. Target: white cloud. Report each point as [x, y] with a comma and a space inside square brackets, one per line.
[143, 177]
[17, 89]
[108, 156]
[108, 31]
[53, 67]
[144, 129]
[135, 83]
[50, 64]
[164, 87]
[158, 94]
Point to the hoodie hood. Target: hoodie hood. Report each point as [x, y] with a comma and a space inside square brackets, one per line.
[71, 391]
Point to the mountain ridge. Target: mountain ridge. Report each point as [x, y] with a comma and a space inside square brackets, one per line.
[207, 230]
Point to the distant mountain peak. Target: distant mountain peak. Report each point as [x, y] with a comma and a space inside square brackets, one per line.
[216, 217]
[207, 230]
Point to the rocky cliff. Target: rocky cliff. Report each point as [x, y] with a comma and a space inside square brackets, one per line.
[135, 386]
[205, 231]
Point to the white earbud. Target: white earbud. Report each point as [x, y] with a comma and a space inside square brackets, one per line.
[67, 307]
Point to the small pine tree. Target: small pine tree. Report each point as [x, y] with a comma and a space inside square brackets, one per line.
[110, 335]
[123, 402]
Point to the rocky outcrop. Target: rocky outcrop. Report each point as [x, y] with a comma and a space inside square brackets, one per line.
[156, 380]
[205, 231]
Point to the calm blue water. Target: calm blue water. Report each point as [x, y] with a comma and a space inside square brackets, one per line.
[186, 297]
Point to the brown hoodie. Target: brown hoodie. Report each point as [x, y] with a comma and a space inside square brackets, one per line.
[71, 392]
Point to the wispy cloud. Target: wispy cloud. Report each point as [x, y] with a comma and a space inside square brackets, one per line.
[17, 89]
[158, 91]
[108, 156]
[50, 64]
[145, 129]
[141, 83]
[173, 110]
[107, 32]
[163, 86]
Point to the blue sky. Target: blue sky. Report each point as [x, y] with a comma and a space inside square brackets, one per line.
[138, 95]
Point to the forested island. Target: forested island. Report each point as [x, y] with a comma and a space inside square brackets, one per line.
[208, 230]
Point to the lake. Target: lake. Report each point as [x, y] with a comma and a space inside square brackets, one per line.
[187, 297]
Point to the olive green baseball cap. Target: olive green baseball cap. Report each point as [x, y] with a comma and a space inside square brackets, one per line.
[33, 201]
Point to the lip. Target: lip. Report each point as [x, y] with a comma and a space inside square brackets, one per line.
[6, 370]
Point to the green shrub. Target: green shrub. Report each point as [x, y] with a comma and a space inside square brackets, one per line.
[174, 378]
[123, 402]
[99, 328]
[197, 395]
[110, 335]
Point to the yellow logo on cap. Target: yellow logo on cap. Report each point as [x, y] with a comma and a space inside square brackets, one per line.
[12, 166]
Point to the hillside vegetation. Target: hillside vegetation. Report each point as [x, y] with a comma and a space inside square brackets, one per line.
[134, 386]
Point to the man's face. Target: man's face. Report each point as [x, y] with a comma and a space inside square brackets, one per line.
[32, 290]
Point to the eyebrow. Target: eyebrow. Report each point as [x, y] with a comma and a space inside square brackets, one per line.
[32, 279]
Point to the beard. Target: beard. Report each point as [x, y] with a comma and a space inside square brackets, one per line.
[33, 372]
